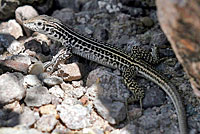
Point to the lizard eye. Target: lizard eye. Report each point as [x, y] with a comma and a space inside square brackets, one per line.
[39, 23]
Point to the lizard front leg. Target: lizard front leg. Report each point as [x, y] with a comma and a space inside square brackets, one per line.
[63, 54]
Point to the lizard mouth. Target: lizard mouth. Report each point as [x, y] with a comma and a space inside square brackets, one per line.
[30, 25]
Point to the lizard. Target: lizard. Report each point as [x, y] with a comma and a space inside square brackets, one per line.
[137, 63]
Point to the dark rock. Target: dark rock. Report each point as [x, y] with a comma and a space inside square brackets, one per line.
[76, 5]
[113, 112]
[7, 8]
[111, 85]
[90, 6]
[154, 96]
[132, 11]
[45, 6]
[101, 34]
[66, 15]
[133, 3]
[33, 45]
[6, 40]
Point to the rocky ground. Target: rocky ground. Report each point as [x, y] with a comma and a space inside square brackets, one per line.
[82, 96]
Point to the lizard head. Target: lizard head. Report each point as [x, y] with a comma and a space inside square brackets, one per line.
[44, 24]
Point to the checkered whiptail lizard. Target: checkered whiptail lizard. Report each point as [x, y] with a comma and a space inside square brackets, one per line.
[105, 54]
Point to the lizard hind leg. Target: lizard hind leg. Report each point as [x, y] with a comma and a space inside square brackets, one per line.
[137, 92]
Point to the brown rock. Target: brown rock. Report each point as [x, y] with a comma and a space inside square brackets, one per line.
[49, 109]
[16, 65]
[11, 27]
[69, 72]
[180, 21]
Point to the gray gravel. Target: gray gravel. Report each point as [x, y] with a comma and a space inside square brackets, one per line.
[11, 87]
[37, 96]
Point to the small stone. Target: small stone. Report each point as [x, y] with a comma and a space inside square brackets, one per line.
[55, 100]
[88, 30]
[49, 109]
[148, 22]
[53, 80]
[15, 47]
[150, 119]
[11, 88]
[22, 58]
[67, 15]
[90, 6]
[66, 86]
[36, 68]
[16, 130]
[153, 97]
[128, 129]
[27, 118]
[70, 101]
[57, 91]
[45, 6]
[101, 34]
[92, 131]
[24, 13]
[61, 129]
[76, 84]
[46, 123]
[6, 40]
[69, 72]
[84, 100]
[8, 8]
[135, 113]
[11, 27]
[93, 91]
[10, 114]
[66, 4]
[8, 117]
[14, 106]
[76, 92]
[31, 80]
[112, 8]
[113, 112]
[37, 96]
[74, 117]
